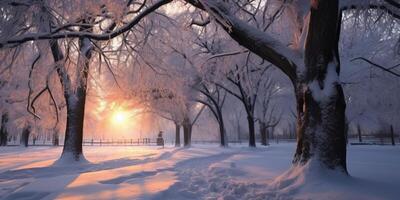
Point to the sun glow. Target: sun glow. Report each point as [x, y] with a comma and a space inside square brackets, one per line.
[120, 117]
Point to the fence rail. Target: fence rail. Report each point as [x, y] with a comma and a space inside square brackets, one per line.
[121, 142]
[352, 140]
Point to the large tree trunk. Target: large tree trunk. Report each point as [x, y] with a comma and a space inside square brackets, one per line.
[75, 100]
[177, 135]
[320, 99]
[3, 130]
[252, 132]
[74, 128]
[187, 132]
[76, 106]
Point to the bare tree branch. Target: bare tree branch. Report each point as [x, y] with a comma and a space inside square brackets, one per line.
[376, 65]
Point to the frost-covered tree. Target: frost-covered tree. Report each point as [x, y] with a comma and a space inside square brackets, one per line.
[268, 115]
[313, 66]
[78, 16]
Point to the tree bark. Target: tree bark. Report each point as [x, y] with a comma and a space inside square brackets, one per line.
[359, 133]
[392, 135]
[55, 139]
[25, 136]
[252, 133]
[223, 136]
[74, 128]
[264, 134]
[222, 132]
[320, 100]
[75, 100]
[187, 132]
[3, 130]
[177, 135]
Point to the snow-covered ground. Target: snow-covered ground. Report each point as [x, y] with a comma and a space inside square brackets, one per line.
[200, 172]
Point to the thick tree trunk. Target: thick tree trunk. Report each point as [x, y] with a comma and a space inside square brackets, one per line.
[263, 134]
[74, 128]
[320, 99]
[252, 132]
[177, 135]
[3, 130]
[187, 132]
[75, 102]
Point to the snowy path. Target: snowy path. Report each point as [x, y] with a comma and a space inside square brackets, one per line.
[201, 172]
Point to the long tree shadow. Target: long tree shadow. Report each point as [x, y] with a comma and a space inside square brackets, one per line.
[199, 162]
[193, 180]
[59, 170]
[142, 174]
[33, 189]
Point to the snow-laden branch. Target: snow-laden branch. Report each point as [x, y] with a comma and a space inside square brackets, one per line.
[253, 39]
[392, 7]
[75, 34]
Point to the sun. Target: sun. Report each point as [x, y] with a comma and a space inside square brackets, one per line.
[119, 117]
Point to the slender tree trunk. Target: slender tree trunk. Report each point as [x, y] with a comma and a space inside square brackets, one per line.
[238, 132]
[359, 133]
[187, 132]
[24, 140]
[3, 130]
[187, 135]
[392, 135]
[263, 133]
[177, 135]
[222, 132]
[320, 100]
[252, 133]
[55, 139]
[223, 136]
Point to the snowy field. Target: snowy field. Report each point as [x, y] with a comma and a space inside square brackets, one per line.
[200, 172]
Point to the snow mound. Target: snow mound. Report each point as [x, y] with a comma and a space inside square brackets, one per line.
[69, 159]
[308, 178]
